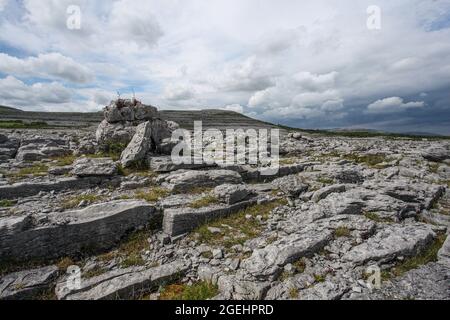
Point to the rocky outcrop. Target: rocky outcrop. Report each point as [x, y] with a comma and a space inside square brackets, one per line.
[123, 110]
[39, 148]
[27, 284]
[8, 148]
[231, 193]
[98, 227]
[139, 146]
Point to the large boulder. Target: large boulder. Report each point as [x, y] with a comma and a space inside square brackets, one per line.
[8, 148]
[123, 110]
[98, 228]
[114, 133]
[437, 154]
[3, 138]
[139, 146]
[94, 167]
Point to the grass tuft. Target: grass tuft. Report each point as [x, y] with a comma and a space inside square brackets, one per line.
[73, 202]
[239, 228]
[204, 202]
[342, 232]
[153, 195]
[198, 291]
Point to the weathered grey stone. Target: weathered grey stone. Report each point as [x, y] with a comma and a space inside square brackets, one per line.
[8, 149]
[428, 282]
[325, 192]
[437, 154]
[391, 242]
[97, 228]
[139, 145]
[94, 167]
[182, 220]
[268, 262]
[27, 284]
[3, 138]
[182, 181]
[59, 171]
[114, 133]
[291, 185]
[25, 189]
[235, 288]
[165, 164]
[123, 110]
[39, 148]
[349, 176]
[324, 291]
[444, 253]
[131, 283]
[231, 194]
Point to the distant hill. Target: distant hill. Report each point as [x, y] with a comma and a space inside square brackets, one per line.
[9, 109]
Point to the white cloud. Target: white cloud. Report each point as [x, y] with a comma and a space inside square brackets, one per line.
[392, 105]
[17, 93]
[234, 107]
[52, 65]
[3, 4]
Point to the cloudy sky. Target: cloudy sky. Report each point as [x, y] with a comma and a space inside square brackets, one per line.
[311, 64]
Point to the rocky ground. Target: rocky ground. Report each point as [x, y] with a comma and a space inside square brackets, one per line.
[140, 227]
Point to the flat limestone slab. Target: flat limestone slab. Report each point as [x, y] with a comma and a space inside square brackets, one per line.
[27, 284]
[27, 189]
[129, 283]
[93, 229]
[183, 220]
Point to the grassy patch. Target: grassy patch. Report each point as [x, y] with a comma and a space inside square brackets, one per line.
[433, 167]
[73, 202]
[19, 124]
[342, 232]
[374, 217]
[153, 195]
[37, 170]
[65, 160]
[94, 272]
[7, 203]
[65, 263]
[130, 251]
[429, 255]
[110, 150]
[242, 229]
[287, 161]
[198, 291]
[370, 160]
[204, 202]
[325, 180]
[293, 293]
[320, 278]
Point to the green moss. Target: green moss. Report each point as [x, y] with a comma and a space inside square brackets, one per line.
[153, 195]
[241, 228]
[430, 254]
[288, 161]
[206, 201]
[197, 291]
